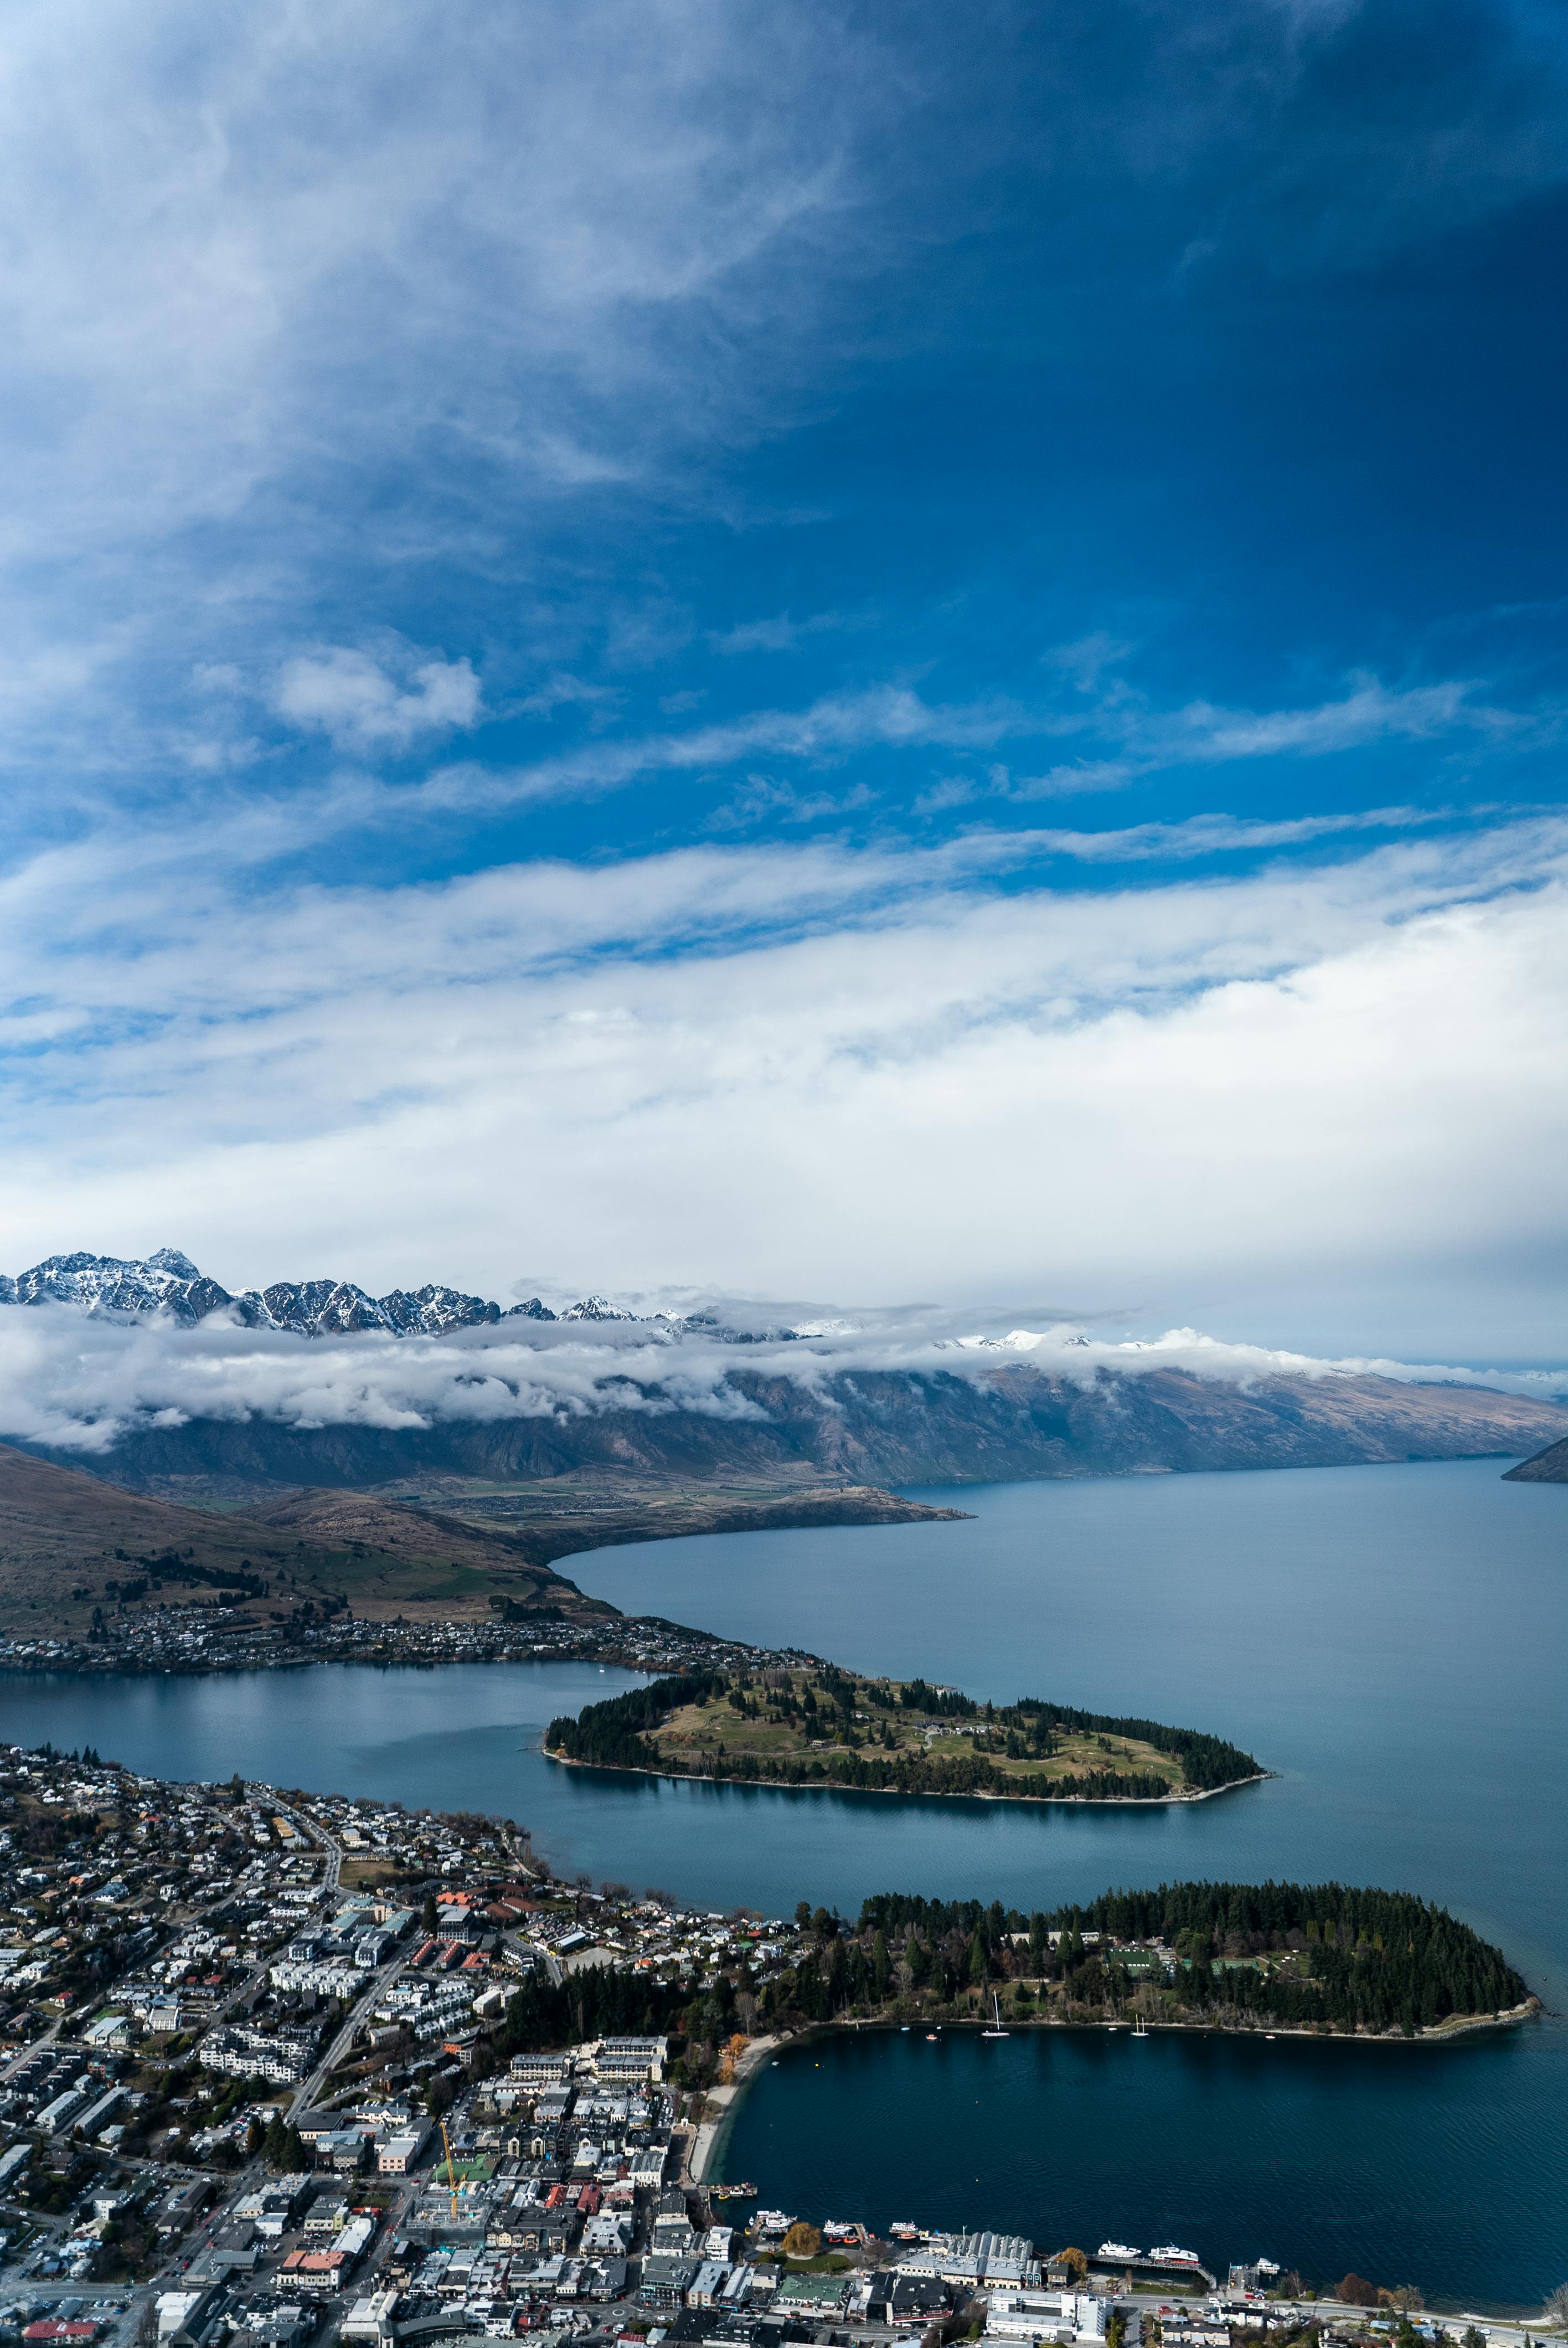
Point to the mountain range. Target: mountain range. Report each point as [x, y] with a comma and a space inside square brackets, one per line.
[168, 1284]
[991, 1417]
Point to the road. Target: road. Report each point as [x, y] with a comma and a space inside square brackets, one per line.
[379, 1982]
[312, 1830]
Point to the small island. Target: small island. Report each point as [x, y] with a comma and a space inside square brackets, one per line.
[810, 1723]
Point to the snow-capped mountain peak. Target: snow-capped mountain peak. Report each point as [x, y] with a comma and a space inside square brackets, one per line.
[168, 1284]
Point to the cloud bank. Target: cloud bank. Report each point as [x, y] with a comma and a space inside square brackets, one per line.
[78, 1384]
[1334, 1087]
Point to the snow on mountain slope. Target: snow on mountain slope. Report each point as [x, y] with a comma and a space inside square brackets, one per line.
[170, 1285]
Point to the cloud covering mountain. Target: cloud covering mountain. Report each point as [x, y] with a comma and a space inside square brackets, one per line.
[100, 1350]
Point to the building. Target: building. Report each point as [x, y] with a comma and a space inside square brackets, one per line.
[317, 2271]
[665, 2281]
[629, 2060]
[371, 2317]
[396, 2154]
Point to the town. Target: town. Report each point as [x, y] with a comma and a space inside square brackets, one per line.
[207, 1636]
[284, 2068]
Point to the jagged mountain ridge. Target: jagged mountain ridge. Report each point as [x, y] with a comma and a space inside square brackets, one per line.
[170, 1284]
[995, 1420]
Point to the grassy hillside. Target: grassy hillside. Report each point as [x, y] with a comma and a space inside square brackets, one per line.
[70, 1543]
[818, 1725]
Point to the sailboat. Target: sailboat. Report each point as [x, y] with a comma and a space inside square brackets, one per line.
[1139, 2028]
[997, 2031]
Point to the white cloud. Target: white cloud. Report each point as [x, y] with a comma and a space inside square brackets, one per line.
[1368, 713]
[289, 305]
[353, 699]
[79, 1383]
[872, 1076]
[827, 730]
[836, 727]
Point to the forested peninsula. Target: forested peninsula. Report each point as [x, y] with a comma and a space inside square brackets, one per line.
[811, 1724]
[1327, 1959]
[1275, 1956]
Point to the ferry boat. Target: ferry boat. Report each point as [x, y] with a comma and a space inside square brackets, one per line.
[901, 2230]
[1168, 2255]
[1117, 2250]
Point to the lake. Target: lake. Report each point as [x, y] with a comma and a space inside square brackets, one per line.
[1388, 1640]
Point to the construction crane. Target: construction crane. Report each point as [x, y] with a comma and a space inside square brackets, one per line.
[451, 2173]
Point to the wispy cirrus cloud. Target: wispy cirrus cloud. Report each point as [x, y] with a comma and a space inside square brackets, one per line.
[1149, 741]
[897, 717]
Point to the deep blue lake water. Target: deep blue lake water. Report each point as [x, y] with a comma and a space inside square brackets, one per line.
[1439, 2167]
[1390, 1641]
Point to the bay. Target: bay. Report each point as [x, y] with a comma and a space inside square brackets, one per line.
[1438, 2167]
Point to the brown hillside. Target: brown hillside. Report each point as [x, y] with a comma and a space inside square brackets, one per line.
[63, 1532]
[1548, 1466]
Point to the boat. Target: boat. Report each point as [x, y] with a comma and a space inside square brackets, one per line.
[901, 2230]
[1117, 2250]
[931, 2037]
[1139, 2028]
[997, 2031]
[1168, 2255]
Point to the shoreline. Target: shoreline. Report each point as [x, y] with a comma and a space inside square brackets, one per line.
[917, 1794]
[707, 2145]
[705, 2149]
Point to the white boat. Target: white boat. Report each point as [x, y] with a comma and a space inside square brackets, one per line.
[1117, 2250]
[1169, 2256]
[1139, 2028]
[901, 2230]
[998, 2032]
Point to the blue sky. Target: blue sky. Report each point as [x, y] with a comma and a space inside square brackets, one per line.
[849, 653]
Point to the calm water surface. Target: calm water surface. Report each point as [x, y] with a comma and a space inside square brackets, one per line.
[1390, 1641]
[1440, 2168]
